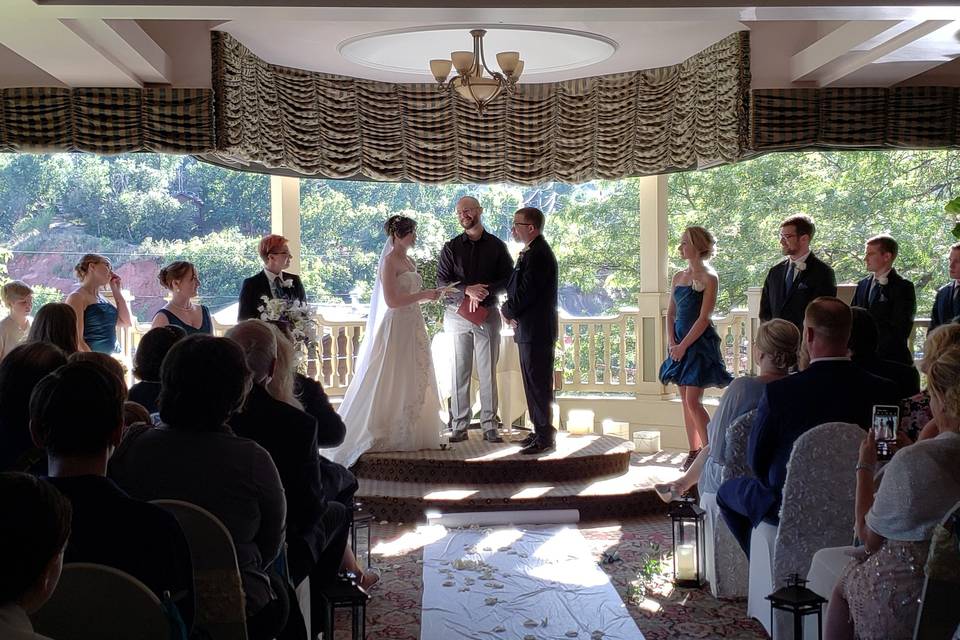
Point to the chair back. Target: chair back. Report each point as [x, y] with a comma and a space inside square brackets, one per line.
[939, 616]
[735, 451]
[97, 602]
[216, 575]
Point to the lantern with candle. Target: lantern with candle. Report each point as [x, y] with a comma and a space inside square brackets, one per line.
[688, 543]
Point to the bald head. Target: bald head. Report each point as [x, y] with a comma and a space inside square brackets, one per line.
[468, 214]
[259, 345]
[826, 327]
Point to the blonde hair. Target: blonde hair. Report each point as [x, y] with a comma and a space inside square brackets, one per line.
[941, 338]
[83, 265]
[780, 340]
[281, 385]
[702, 240]
[13, 291]
[943, 379]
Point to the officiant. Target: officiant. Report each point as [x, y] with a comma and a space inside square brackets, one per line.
[478, 265]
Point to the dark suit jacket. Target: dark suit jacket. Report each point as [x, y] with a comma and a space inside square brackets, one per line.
[894, 308]
[905, 377]
[827, 391]
[290, 437]
[255, 287]
[532, 294]
[816, 280]
[944, 310]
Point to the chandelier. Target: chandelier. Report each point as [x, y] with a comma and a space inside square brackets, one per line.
[470, 82]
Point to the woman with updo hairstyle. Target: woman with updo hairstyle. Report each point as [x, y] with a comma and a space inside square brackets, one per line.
[194, 456]
[392, 403]
[916, 417]
[97, 319]
[273, 281]
[180, 279]
[55, 323]
[878, 592]
[774, 352]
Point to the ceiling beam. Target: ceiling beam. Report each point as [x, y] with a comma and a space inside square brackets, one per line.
[125, 44]
[837, 43]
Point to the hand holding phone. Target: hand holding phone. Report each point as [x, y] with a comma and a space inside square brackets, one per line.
[885, 424]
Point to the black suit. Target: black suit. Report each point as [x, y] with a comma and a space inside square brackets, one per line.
[946, 306]
[255, 287]
[893, 307]
[905, 377]
[532, 302]
[816, 280]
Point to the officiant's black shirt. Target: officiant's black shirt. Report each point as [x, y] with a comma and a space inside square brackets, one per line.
[485, 261]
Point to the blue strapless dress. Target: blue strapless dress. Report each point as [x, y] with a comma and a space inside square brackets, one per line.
[100, 326]
[702, 365]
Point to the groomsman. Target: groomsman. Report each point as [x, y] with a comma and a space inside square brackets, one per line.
[946, 306]
[531, 309]
[481, 264]
[792, 284]
[890, 299]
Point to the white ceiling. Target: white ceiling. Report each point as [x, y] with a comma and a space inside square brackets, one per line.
[136, 43]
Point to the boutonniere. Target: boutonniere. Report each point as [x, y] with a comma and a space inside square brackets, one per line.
[882, 280]
[286, 283]
[696, 285]
[800, 266]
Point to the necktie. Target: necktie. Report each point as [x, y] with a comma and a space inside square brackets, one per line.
[790, 274]
[874, 292]
[277, 291]
[956, 299]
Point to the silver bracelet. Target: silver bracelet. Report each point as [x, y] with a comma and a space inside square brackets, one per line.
[861, 466]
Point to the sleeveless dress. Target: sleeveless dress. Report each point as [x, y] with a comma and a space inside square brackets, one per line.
[702, 365]
[206, 325]
[100, 326]
[395, 404]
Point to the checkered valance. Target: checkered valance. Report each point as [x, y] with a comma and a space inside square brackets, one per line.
[855, 118]
[52, 119]
[640, 123]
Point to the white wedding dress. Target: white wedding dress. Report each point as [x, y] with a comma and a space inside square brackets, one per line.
[393, 403]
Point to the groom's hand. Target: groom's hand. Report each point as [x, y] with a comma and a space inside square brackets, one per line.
[476, 292]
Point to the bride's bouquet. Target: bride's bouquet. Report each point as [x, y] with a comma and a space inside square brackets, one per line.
[292, 316]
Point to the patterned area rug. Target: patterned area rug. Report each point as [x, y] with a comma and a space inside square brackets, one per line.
[394, 609]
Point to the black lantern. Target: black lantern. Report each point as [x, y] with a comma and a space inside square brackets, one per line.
[360, 535]
[688, 543]
[796, 599]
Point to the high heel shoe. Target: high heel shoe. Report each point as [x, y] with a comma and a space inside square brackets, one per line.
[691, 456]
[668, 491]
[368, 579]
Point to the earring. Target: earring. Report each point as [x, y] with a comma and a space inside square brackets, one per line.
[178, 289]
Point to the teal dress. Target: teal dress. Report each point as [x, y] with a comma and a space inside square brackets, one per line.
[702, 365]
[100, 326]
[206, 325]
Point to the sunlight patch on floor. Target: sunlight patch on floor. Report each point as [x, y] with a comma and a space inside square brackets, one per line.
[410, 541]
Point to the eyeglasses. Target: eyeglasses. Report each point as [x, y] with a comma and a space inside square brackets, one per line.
[279, 253]
[787, 236]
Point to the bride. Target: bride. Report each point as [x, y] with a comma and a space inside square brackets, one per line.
[392, 403]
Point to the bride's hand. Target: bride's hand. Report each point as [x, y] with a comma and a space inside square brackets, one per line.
[430, 294]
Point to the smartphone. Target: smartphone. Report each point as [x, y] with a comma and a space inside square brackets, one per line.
[886, 422]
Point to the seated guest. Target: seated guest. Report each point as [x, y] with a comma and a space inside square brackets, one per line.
[775, 352]
[18, 299]
[863, 352]
[76, 416]
[180, 278]
[877, 595]
[152, 349]
[273, 281]
[106, 362]
[915, 413]
[20, 372]
[31, 550]
[55, 323]
[195, 457]
[97, 318]
[830, 389]
[135, 413]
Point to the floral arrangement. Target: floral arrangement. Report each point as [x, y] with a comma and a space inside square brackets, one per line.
[292, 316]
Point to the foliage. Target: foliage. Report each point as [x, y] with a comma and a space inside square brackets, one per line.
[649, 573]
[43, 294]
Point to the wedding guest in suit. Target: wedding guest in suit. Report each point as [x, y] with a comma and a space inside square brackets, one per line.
[863, 351]
[180, 278]
[20, 372]
[480, 265]
[889, 298]
[76, 416]
[946, 306]
[775, 352]
[878, 593]
[194, 456]
[98, 319]
[792, 284]
[56, 323]
[916, 417]
[18, 298]
[831, 389]
[273, 281]
[531, 309]
[151, 351]
[31, 550]
[694, 361]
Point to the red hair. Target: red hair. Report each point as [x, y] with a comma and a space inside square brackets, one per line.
[270, 244]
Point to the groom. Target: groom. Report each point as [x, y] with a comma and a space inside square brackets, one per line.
[531, 309]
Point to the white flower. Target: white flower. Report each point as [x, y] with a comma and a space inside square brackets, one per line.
[800, 266]
[882, 280]
[696, 285]
[286, 283]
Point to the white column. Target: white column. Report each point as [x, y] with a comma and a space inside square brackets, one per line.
[654, 284]
[285, 214]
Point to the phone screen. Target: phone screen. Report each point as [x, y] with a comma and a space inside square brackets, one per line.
[886, 419]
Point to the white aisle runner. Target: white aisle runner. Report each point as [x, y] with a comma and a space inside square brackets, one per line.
[519, 583]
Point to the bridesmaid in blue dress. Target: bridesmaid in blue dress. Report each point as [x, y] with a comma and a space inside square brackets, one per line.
[694, 360]
[97, 318]
[180, 278]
